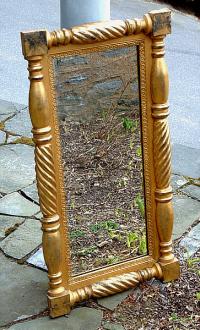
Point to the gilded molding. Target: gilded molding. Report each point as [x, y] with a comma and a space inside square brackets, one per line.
[100, 31]
[46, 181]
[64, 291]
[115, 284]
[162, 158]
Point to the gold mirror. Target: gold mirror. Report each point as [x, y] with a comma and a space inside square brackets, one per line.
[98, 105]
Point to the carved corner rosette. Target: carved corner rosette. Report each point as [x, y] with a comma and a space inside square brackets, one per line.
[34, 45]
[161, 25]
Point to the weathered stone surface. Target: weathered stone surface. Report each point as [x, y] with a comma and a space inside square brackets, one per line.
[2, 137]
[105, 88]
[16, 204]
[112, 326]
[17, 167]
[177, 181]
[32, 192]
[191, 242]
[112, 302]
[22, 291]
[193, 191]
[20, 124]
[186, 211]
[8, 224]
[37, 259]
[7, 108]
[186, 161]
[12, 138]
[79, 319]
[4, 117]
[23, 240]
[118, 52]
[70, 61]
[38, 216]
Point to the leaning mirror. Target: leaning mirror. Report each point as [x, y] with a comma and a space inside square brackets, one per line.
[98, 105]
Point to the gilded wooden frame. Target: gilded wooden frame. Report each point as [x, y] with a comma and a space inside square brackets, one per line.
[39, 48]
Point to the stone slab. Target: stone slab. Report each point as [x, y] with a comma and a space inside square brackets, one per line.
[7, 108]
[2, 137]
[186, 161]
[12, 138]
[16, 204]
[37, 259]
[177, 181]
[32, 192]
[39, 216]
[112, 302]
[23, 240]
[17, 167]
[20, 124]
[191, 242]
[22, 290]
[79, 319]
[193, 191]
[8, 224]
[186, 212]
[4, 117]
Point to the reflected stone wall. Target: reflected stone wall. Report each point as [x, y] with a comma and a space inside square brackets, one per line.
[91, 83]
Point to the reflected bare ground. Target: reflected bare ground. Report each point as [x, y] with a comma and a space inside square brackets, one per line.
[99, 119]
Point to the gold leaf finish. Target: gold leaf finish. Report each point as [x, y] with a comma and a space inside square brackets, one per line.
[115, 284]
[100, 31]
[39, 47]
[162, 158]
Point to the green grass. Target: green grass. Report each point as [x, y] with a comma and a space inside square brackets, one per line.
[139, 202]
[77, 233]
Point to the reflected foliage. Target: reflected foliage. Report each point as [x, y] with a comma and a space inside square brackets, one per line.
[99, 118]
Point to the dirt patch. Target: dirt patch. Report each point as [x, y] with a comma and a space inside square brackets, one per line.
[157, 306]
[104, 179]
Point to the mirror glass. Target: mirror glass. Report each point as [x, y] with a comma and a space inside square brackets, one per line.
[98, 107]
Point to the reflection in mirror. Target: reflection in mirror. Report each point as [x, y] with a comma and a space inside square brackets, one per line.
[98, 107]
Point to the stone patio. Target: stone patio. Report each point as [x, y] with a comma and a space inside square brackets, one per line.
[23, 271]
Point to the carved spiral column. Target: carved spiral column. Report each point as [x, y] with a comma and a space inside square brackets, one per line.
[162, 158]
[46, 183]
[115, 284]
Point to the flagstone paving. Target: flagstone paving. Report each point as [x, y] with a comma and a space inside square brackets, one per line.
[113, 301]
[31, 192]
[2, 137]
[17, 167]
[23, 291]
[7, 108]
[193, 191]
[186, 212]
[20, 124]
[21, 235]
[16, 204]
[186, 161]
[191, 242]
[79, 319]
[9, 224]
[37, 259]
[23, 240]
[178, 181]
